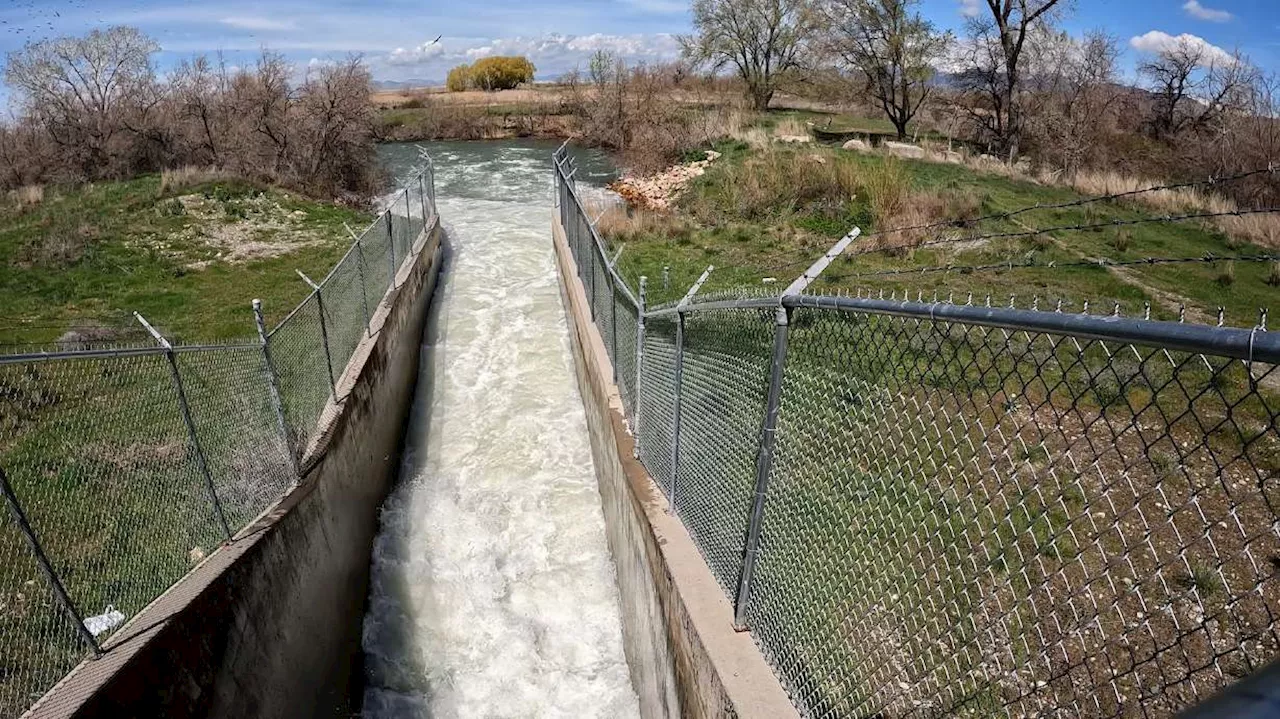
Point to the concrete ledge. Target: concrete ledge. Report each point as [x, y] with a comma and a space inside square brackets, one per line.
[686, 658]
[270, 624]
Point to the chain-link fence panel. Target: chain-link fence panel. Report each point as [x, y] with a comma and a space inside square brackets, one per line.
[345, 306]
[657, 398]
[375, 254]
[402, 226]
[105, 468]
[727, 355]
[39, 641]
[298, 352]
[977, 521]
[231, 407]
[602, 303]
[625, 314]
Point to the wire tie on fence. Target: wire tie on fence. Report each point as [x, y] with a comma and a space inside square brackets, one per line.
[1182, 313]
[1253, 381]
[1115, 311]
[1146, 310]
[1222, 315]
[1085, 311]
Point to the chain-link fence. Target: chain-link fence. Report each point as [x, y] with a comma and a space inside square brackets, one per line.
[923, 508]
[124, 464]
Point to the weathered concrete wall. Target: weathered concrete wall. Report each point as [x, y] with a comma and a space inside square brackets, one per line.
[269, 625]
[686, 658]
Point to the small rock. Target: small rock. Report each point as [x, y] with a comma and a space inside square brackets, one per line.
[952, 156]
[902, 149]
[196, 555]
[856, 146]
[794, 138]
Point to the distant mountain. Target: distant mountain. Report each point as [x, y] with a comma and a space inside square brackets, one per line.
[410, 84]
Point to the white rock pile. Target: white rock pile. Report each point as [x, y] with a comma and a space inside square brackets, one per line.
[659, 191]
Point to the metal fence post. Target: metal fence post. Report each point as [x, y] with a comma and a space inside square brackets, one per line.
[644, 282]
[273, 383]
[364, 287]
[408, 217]
[590, 256]
[764, 465]
[46, 567]
[391, 251]
[422, 197]
[769, 429]
[613, 325]
[324, 332]
[679, 385]
[189, 422]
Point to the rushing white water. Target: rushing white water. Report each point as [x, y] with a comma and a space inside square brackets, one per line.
[493, 592]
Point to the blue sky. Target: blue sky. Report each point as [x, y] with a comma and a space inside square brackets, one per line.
[556, 34]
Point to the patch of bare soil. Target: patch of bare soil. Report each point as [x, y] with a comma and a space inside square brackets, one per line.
[236, 231]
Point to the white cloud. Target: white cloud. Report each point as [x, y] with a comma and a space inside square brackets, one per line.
[1156, 42]
[251, 22]
[1200, 12]
[970, 8]
[419, 55]
[552, 53]
[660, 7]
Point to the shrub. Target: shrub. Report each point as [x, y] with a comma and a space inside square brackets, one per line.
[1227, 275]
[459, 78]
[500, 73]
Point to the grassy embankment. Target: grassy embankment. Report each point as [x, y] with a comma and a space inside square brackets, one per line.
[960, 413]
[767, 213]
[189, 258]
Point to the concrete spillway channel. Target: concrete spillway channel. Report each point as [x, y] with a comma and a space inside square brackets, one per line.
[492, 590]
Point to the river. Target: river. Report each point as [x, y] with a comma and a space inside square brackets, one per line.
[493, 592]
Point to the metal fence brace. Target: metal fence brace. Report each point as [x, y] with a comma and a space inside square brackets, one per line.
[324, 331]
[679, 382]
[192, 434]
[46, 567]
[273, 386]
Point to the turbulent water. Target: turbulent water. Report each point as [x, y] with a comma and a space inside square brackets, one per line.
[493, 592]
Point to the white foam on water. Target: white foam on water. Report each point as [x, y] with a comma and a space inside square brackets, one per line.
[493, 592]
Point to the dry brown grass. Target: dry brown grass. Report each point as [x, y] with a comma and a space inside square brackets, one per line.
[1260, 229]
[28, 195]
[182, 178]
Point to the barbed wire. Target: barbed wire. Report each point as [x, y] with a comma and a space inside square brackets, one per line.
[1098, 262]
[1211, 181]
[1070, 228]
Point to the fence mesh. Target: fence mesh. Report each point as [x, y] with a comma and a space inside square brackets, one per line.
[970, 516]
[39, 642]
[239, 434]
[129, 462]
[725, 377]
[102, 463]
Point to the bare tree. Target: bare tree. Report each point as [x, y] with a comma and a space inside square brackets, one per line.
[81, 88]
[997, 43]
[1071, 96]
[1195, 86]
[761, 39]
[893, 48]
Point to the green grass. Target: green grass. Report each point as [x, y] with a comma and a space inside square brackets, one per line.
[933, 481]
[778, 237]
[96, 450]
[97, 253]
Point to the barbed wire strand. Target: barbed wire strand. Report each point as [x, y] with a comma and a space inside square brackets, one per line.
[1098, 262]
[1211, 181]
